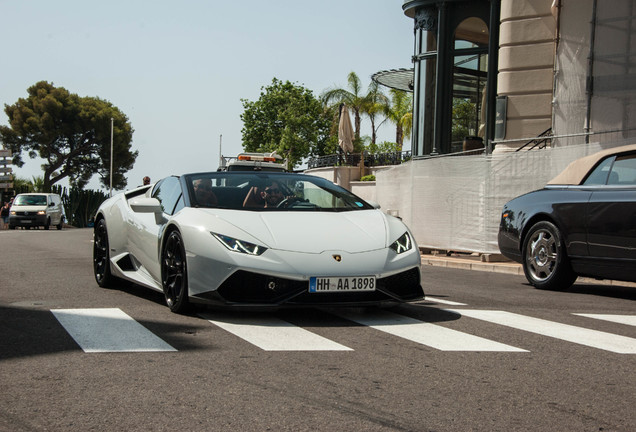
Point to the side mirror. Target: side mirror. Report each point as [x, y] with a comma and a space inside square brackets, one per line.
[146, 205]
[374, 204]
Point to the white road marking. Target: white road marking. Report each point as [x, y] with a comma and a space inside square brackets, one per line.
[428, 334]
[620, 319]
[273, 334]
[579, 335]
[448, 302]
[108, 330]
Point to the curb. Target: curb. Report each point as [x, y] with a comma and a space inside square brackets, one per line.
[509, 267]
[472, 263]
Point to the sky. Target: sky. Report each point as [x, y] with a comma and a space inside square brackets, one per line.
[179, 70]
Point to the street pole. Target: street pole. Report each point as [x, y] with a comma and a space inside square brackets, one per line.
[112, 127]
[221, 150]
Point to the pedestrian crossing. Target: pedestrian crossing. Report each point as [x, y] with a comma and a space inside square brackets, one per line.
[108, 330]
[112, 330]
[273, 334]
[579, 335]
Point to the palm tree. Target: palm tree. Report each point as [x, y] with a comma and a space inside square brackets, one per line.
[400, 113]
[38, 184]
[374, 102]
[352, 97]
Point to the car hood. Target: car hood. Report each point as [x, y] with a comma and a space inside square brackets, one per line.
[310, 232]
[28, 208]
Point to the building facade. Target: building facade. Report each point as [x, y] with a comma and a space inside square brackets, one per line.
[531, 84]
[501, 72]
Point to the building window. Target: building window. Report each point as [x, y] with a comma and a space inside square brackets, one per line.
[455, 72]
[470, 73]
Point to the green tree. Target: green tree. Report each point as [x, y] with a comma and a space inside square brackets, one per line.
[38, 183]
[288, 119]
[351, 96]
[400, 112]
[22, 185]
[383, 147]
[373, 104]
[71, 134]
[464, 114]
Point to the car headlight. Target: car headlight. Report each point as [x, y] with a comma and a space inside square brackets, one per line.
[41, 212]
[402, 244]
[239, 245]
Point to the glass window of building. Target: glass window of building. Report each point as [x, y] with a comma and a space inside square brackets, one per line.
[470, 73]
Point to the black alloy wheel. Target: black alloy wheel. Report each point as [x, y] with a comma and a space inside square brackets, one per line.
[174, 275]
[545, 261]
[101, 260]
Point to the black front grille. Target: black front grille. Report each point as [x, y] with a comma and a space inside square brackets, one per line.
[405, 285]
[246, 287]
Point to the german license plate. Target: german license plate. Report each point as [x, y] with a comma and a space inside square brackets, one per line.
[341, 284]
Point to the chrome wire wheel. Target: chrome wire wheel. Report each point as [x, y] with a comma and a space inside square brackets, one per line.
[541, 254]
[101, 265]
[174, 273]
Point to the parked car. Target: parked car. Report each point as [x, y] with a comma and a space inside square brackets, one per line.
[582, 223]
[255, 239]
[35, 210]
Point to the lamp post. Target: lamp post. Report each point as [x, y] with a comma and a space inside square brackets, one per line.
[112, 127]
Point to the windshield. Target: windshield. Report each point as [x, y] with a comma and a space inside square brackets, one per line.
[265, 191]
[29, 200]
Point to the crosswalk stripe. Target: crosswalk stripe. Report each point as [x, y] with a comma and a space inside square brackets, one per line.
[620, 319]
[448, 302]
[428, 334]
[592, 338]
[273, 334]
[108, 330]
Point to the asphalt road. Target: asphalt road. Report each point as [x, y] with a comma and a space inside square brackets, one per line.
[483, 352]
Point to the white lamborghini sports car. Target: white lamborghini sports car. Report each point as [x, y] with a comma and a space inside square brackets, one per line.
[255, 239]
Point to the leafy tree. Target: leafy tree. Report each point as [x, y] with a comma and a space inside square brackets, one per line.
[374, 103]
[400, 112]
[288, 119]
[352, 97]
[22, 185]
[464, 114]
[383, 147]
[38, 183]
[71, 133]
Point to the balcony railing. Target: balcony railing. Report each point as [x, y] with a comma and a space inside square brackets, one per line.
[353, 159]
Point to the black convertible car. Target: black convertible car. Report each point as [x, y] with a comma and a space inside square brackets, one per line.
[582, 223]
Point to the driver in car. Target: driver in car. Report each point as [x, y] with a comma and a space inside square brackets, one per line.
[272, 195]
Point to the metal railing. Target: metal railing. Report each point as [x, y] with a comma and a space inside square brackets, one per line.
[353, 159]
[540, 142]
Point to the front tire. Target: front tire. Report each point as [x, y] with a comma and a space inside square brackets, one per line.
[545, 261]
[101, 256]
[59, 226]
[174, 274]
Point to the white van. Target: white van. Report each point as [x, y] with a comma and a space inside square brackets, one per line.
[35, 210]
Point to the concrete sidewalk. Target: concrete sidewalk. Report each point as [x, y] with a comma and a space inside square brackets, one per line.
[499, 264]
[466, 261]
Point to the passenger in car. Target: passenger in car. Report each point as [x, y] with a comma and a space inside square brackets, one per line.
[203, 193]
